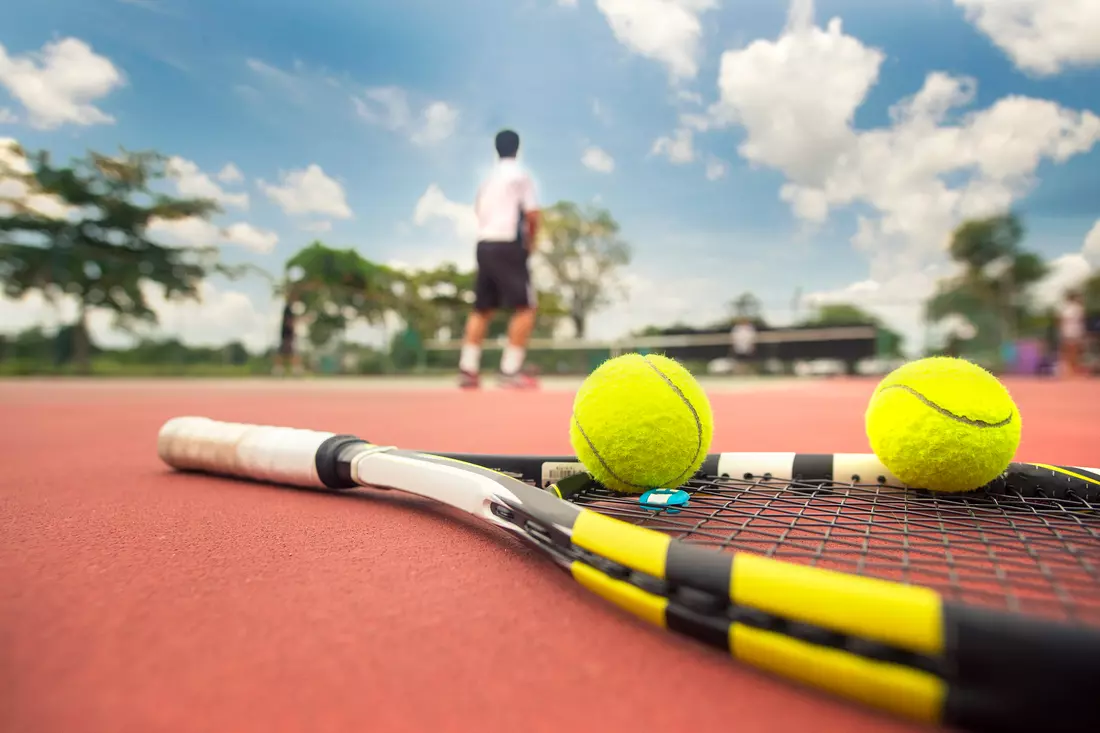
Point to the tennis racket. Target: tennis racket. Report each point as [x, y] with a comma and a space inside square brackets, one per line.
[979, 610]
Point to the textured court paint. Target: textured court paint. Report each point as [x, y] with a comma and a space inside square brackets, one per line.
[902, 615]
[132, 599]
[914, 694]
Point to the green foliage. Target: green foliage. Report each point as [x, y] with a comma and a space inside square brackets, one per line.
[1090, 290]
[746, 305]
[840, 314]
[34, 351]
[337, 287]
[96, 249]
[992, 290]
[581, 251]
[844, 314]
[979, 242]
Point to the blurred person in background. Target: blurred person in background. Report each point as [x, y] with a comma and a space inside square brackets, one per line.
[1072, 334]
[507, 224]
[287, 356]
[743, 338]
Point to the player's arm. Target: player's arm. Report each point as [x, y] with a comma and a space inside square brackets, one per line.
[531, 212]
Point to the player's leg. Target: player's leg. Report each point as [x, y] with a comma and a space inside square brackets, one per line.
[285, 353]
[486, 300]
[469, 359]
[1068, 365]
[517, 294]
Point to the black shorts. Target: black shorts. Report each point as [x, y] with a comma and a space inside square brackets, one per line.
[503, 280]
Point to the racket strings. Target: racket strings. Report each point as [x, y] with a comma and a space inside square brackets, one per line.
[1002, 549]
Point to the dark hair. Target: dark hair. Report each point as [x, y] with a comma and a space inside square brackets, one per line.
[507, 144]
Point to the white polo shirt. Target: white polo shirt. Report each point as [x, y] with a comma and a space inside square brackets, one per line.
[1071, 321]
[744, 338]
[507, 191]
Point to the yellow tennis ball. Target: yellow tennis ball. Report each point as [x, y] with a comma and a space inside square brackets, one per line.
[641, 423]
[943, 424]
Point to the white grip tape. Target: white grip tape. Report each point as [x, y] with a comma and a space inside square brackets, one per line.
[257, 452]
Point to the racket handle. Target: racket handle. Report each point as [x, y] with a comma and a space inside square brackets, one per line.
[257, 452]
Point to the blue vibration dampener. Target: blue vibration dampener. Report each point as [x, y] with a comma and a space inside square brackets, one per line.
[669, 500]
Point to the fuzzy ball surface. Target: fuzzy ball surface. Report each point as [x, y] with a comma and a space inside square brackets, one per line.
[641, 422]
[943, 424]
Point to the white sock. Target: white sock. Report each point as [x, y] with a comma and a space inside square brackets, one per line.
[470, 359]
[512, 359]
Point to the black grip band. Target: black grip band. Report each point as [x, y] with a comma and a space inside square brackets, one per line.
[334, 472]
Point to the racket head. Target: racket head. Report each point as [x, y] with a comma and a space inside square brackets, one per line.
[905, 645]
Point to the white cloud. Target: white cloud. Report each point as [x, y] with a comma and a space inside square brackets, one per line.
[251, 238]
[679, 148]
[437, 123]
[716, 169]
[390, 107]
[600, 112]
[230, 174]
[424, 122]
[308, 191]
[316, 226]
[598, 160]
[193, 183]
[654, 297]
[1070, 270]
[567, 3]
[1091, 248]
[1043, 37]
[61, 83]
[434, 205]
[796, 97]
[222, 315]
[920, 176]
[441, 230]
[1067, 272]
[196, 232]
[684, 95]
[667, 31]
[299, 85]
[7, 117]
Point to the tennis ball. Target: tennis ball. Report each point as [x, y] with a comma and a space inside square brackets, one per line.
[943, 424]
[640, 423]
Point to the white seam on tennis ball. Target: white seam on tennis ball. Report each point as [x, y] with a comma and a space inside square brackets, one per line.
[972, 422]
[683, 398]
[694, 415]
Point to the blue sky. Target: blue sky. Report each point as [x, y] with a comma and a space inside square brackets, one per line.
[785, 164]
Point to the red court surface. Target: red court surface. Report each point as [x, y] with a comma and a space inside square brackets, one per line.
[138, 600]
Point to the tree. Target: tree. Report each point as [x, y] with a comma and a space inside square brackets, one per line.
[581, 252]
[840, 314]
[991, 291]
[845, 314]
[82, 232]
[745, 305]
[1090, 290]
[337, 287]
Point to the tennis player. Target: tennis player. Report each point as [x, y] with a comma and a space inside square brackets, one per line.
[1072, 334]
[507, 224]
[287, 355]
